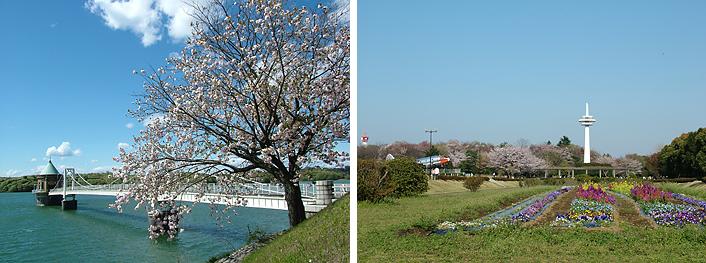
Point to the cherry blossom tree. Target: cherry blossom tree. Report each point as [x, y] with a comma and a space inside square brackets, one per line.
[629, 164]
[259, 86]
[553, 155]
[605, 159]
[514, 160]
[456, 151]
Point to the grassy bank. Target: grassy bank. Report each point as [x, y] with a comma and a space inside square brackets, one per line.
[695, 189]
[382, 235]
[452, 186]
[321, 238]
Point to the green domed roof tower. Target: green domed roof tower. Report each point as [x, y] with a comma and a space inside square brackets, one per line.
[47, 180]
[50, 169]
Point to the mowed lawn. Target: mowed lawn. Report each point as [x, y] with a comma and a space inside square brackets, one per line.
[450, 186]
[384, 234]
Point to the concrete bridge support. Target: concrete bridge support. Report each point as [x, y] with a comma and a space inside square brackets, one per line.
[69, 203]
[324, 197]
[324, 192]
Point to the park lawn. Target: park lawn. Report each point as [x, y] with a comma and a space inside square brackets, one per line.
[696, 189]
[445, 186]
[453, 186]
[382, 235]
[322, 238]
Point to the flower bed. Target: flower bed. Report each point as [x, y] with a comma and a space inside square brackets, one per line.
[668, 214]
[649, 193]
[519, 213]
[594, 192]
[623, 187]
[588, 213]
[668, 209]
[689, 200]
[591, 208]
[538, 206]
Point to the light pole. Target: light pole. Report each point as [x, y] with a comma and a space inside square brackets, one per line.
[431, 132]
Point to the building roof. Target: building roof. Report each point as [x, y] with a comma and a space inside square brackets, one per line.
[49, 170]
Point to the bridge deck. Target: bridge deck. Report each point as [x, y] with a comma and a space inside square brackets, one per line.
[255, 201]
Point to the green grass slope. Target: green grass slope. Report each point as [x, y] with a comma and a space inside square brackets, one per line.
[322, 238]
[696, 189]
[452, 186]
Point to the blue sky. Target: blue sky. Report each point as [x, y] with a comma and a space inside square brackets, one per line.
[499, 71]
[67, 77]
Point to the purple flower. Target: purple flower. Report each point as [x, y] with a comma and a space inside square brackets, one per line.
[536, 207]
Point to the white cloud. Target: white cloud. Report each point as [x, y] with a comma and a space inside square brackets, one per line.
[123, 145]
[137, 16]
[12, 172]
[94, 161]
[147, 18]
[33, 160]
[129, 125]
[63, 150]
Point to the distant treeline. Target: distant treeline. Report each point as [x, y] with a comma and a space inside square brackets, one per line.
[17, 184]
[27, 183]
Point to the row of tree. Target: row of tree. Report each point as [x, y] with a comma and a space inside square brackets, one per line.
[519, 159]
[684, 157]
[17, 184]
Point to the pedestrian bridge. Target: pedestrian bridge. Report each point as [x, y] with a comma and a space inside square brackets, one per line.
[315, 196]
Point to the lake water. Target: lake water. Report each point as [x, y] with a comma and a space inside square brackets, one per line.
[96, 233]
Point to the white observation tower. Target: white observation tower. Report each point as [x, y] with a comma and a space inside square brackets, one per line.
[586, 121]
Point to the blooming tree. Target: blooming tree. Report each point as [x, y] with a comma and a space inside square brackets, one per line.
[514, 159]
[629, 164]
[259, 85]
[605, 159]
[456, 151]
[553, 155]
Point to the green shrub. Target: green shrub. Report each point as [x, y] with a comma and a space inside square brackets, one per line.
[473, 183]
[407, 176]
[374, 182]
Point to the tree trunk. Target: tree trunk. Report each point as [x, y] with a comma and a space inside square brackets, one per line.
[295, 205]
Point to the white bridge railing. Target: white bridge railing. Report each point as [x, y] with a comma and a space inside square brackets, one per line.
[308, 190]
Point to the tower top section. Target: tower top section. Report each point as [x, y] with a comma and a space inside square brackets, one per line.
[49, 169]
[587, 120]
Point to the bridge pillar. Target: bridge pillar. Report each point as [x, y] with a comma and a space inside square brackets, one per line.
[71, 204]
[324, 192]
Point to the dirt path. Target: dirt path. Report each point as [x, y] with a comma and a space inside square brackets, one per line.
[628, 211]
[560, 205]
